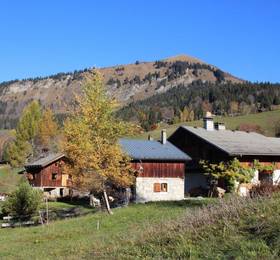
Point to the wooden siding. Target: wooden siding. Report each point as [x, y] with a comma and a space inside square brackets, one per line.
[43, 177]
[263, 161]
[198, 149]
[160, 169]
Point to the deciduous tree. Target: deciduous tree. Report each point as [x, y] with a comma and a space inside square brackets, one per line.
[91, 142]
[47, 131]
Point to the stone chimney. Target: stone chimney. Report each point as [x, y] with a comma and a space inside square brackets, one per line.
[220, 126]
[163, 136]
[208, 122]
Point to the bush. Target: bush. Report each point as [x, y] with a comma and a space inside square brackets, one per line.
[264, 189]
[23, 202]
[247, 127]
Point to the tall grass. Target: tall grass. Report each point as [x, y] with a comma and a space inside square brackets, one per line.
[242, 228]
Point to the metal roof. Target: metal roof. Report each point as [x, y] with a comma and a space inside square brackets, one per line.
[238, 143]
[152, 150]
[44, 161]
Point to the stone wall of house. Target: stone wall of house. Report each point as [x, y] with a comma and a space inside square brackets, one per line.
[276, 177]
[255, 179]
[145, 189]
[54, 192]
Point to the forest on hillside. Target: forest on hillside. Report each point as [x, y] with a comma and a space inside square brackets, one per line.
[190, 102]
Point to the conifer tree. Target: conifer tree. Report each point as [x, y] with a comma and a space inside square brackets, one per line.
[91, 142]
[19, 151]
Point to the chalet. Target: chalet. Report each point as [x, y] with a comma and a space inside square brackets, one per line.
[215, 144]
[46, 174]
[160, 167]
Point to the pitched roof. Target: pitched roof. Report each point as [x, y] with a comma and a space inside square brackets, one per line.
[44, 161]
[152, 150]
[238, 143]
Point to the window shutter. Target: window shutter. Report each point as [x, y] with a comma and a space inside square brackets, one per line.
[156, 187]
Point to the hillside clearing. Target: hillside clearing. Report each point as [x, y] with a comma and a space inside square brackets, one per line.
[265, 120]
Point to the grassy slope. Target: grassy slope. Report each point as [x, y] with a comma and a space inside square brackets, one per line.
[238, 228]
[233, 228]
[265, 120]
[8, 179]
[77, 238]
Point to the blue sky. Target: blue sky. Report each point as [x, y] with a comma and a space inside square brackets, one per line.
[39, 38]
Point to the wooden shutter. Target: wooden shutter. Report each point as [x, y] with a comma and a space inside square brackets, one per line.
[156, 187]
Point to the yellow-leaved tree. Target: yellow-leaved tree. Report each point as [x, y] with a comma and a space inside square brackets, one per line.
[91, 142]
[48, 131]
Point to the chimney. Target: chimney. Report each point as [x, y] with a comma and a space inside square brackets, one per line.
[219, 126]
[163, 136]
[150, 138]
[208, 122]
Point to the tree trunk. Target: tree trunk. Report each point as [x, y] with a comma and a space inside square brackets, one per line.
[107, 202]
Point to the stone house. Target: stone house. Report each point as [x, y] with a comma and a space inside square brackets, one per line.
[160, 168]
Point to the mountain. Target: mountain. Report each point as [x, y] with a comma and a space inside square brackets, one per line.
[126, 83]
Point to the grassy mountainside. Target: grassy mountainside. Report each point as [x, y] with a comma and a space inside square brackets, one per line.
[266, 120]
[125, 83]
[190, 102]
[232, 228]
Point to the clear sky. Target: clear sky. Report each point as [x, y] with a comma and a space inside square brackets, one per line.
[39, 38]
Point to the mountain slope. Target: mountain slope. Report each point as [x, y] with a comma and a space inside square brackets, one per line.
[126, 83]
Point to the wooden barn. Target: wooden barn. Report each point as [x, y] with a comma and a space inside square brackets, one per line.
[215, 144]
[46, 173]
[160, 167]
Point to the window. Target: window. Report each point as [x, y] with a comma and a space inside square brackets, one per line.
[54, 176]
[163, 187]
[266, 178]
[160, 187]
[156, 187]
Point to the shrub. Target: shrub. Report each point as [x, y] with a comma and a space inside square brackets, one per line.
[264, 189]
[227, 173]
[247, 127]
[23, 202]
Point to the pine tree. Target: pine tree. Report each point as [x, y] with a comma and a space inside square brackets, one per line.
[22, 149]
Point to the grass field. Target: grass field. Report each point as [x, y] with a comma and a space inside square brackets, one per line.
[265, 120]
[236, 228]
[79, 237]
[231, 228]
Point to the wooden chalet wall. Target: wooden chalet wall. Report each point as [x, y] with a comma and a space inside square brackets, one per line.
[160, 169]
[199, 149]
[43, 177]
[264, 160]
